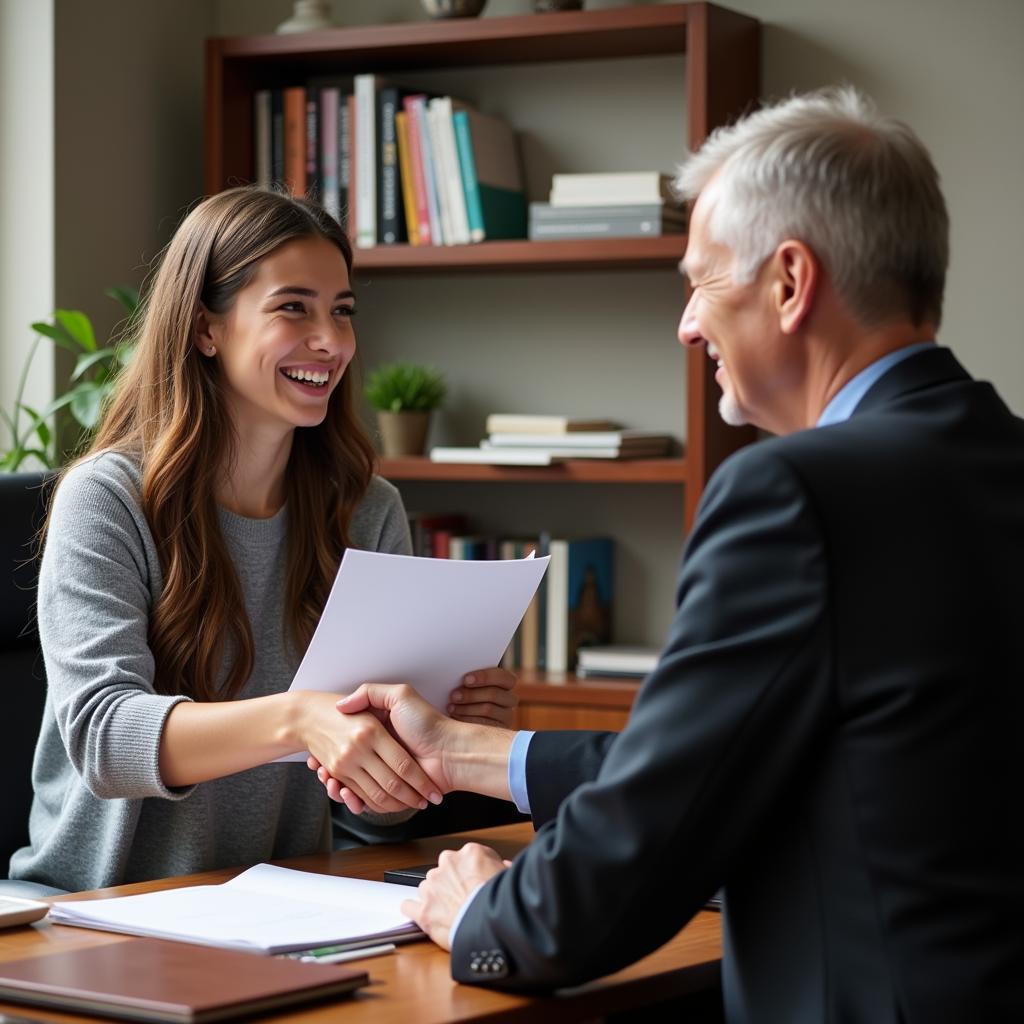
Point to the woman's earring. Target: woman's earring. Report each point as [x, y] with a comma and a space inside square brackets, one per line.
[211, 351]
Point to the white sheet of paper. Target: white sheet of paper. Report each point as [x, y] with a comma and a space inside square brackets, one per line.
[422, 621]
[266, 909]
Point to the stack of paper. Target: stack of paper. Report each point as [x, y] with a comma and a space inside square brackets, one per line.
[266, 909]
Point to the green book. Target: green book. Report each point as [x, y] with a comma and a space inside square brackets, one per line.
[491, 177]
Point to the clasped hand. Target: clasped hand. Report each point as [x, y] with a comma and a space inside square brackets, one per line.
[391, 757]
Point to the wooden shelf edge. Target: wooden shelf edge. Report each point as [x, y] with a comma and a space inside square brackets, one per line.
[568, 35]
[564, 688]
[662, 252]
[575, 471]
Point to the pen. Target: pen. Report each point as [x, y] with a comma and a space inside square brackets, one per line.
[325, 957]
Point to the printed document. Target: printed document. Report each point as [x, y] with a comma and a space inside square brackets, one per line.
[421, 621]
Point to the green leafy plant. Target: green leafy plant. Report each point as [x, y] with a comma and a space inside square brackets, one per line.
[405, 387]
[91, 381]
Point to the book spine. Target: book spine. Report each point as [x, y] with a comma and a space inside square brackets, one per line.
[452, 175]
[277, 137]
[366, 161]
[557, 607]
[405, 174]
[590, 589]
[645, 227]
[262, 145]
[543, 548]
[467, 167]
[440, 177]
[295, 140]
[429, 171]
[349, 166]
[313, 142]
[417, 171]
[390, 215]
[330, 194]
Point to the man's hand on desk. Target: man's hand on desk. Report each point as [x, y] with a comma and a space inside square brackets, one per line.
[446, 888]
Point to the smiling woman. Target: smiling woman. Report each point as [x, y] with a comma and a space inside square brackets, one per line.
[187, 559]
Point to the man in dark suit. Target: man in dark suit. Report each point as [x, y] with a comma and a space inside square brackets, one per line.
[834, 733]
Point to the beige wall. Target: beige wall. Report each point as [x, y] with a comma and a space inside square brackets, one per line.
[26, 197]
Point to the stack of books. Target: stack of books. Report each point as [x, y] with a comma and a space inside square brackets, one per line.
[392, 165]
[524, 440]
[626, 205]
[616, 660]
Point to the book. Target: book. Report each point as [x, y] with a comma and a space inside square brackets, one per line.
[365, 160]
[548, 213]
[152, 980]
[597, 226]
[507, 422]
[295, 140]
[491, 176]
[449, 179]
[616, 660]
[412, 219]
[262, 144]
[423, 167]
[313, 141]
[330, 183]
[277, 137]
[347, 163]
[266, 909]
[556, 453]
[494, 456]
[579, 598]
[611, 189]
[391, 225]
[579, 439]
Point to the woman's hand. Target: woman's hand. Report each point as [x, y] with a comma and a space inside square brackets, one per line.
[360, 753]
[487, 697]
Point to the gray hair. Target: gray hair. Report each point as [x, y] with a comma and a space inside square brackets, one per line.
[858, 188]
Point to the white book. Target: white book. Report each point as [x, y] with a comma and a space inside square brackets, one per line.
[617, 658]
[495, 456]
[556, 453]
[556, 657]
[266, 909]
[451, 180]
[507, 422]
[577, 439]
[437, 160]
[610, 189]
[366, 160]
[330, 194]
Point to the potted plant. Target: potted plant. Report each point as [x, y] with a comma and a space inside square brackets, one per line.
[404, 394]
[73, 415]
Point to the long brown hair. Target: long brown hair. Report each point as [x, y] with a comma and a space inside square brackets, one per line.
[168, 412]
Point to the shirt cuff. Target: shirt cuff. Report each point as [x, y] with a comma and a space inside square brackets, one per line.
[461, 914]
[517, 770]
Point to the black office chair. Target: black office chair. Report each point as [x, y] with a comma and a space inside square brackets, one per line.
[23, 499]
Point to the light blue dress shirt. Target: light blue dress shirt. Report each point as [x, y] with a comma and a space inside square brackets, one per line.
[839, 409]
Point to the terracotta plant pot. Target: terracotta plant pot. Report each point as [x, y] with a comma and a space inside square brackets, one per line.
[403, 433]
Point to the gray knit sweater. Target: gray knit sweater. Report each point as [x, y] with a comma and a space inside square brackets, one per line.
[102, 815]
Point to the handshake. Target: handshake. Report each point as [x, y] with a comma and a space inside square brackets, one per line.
[395, 752]
[402, 753]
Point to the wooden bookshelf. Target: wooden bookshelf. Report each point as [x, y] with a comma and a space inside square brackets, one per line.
[721, 80]
[572, 471]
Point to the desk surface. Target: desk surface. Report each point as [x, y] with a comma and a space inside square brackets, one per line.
[413, 986]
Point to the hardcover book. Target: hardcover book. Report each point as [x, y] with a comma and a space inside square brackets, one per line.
[491, 176]
[507, 422]
[581, 579]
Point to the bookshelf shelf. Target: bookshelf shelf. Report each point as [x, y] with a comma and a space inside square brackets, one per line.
[588, 471]
[664, 252]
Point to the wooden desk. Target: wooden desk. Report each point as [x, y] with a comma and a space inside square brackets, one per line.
[414, 986]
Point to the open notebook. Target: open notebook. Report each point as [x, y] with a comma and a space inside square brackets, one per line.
[266, 909]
